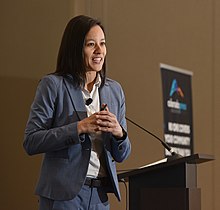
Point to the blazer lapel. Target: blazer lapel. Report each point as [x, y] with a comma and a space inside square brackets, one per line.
[104, 95]
[76, 98]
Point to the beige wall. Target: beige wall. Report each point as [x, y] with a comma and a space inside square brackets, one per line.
[140, 35]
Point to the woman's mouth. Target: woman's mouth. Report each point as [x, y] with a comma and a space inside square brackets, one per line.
[97, 59]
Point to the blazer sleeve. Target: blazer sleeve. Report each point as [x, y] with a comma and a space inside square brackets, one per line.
[40, 136]
[121, 149]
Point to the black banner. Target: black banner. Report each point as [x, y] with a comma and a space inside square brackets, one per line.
[177, 107]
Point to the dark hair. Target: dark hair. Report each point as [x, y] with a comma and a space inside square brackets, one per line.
[70, 57]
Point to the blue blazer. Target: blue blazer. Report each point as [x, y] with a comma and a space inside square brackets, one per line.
[52, 129]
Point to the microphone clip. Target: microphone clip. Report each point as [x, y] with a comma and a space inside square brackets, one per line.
[88, 101]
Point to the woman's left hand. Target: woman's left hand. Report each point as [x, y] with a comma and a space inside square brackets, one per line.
[108, 122]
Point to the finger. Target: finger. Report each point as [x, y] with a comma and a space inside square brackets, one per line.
[105, 113]
[107, 117]
[106, 123]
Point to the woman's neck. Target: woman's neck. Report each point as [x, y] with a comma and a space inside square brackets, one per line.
[90, 80]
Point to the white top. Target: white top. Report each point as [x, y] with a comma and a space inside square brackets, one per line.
[97, 160]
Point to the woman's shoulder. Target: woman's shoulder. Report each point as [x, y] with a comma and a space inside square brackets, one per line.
[110, 81]
[113, 83]
[51, 79]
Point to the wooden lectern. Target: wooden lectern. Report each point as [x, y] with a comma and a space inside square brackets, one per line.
[169, 185]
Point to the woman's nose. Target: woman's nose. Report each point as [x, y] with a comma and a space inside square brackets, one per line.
[98, 49]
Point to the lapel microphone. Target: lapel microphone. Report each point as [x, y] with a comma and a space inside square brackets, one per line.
[88, 101]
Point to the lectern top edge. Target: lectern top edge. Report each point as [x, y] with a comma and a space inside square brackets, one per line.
[200, 158]
[192, 159]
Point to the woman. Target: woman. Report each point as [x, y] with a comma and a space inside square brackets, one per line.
[78, 120]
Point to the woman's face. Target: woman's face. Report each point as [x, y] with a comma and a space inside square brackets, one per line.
[94, 49]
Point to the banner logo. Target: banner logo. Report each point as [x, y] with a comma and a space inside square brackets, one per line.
[176, 92]
[176, 89]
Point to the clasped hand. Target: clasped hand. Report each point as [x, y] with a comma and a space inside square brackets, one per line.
[101, 121]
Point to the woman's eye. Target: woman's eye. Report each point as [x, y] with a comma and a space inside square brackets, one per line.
[103, 43]
[90, 44]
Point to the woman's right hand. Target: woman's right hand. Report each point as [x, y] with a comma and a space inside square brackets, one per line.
[88, 125]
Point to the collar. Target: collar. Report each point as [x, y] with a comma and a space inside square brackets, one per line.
[98, 80]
